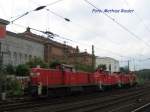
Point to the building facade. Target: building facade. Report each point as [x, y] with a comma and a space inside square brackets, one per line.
[111, 64]
[19, 50]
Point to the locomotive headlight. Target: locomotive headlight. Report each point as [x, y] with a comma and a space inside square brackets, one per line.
[37, 74]
[31, 74]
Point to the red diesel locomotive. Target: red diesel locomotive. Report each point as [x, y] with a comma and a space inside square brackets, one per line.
[65, 79]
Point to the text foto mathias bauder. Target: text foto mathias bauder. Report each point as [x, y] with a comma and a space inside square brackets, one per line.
[112, 11]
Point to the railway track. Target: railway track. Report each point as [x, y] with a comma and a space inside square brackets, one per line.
[99, 104]
[74, 102]
[143, 108]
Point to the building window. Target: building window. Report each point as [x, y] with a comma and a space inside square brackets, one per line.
[30, 57]
[25, 57]
[20, 58]
[109, 67]
[15, 58]
[115, 68]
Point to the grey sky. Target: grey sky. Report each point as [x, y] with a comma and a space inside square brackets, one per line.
[89, 28]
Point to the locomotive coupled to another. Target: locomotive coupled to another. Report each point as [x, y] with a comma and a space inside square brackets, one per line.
[64, 80]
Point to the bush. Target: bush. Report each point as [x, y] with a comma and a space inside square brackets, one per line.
[102, 67]
[10, 69]
[13, 88]
[22, 70]
[54, 63]
[84, 68]
[2, 81]
[37, 61]
[124, 69]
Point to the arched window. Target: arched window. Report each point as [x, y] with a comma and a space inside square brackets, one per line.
[26, 58]
[9, 58]
[20, 58]
[30, 57]
[15, 58]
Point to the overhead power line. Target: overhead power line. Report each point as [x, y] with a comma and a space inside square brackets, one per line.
[89, 45]
[54, 2]
[78, 25]
[119, 24]
[26, 13]
[54, 13]
[137, 15]
[66, 19]
[37, 9]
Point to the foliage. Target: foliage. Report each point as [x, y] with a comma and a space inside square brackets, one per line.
[37, 61]
[124, 69]
[13, 87]
[102, 67]
[84, 68]
[54, 63]
[2, 69]
[22, 70]
[10, 85]
[2, 81]
[144, 74]
[10, 69]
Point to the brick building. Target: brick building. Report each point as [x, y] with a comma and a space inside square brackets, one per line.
[57, 51]
[80, 58]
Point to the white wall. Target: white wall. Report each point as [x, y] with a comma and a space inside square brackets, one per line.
[108, 61]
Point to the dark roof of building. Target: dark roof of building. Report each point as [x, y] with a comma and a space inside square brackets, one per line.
[5, 22]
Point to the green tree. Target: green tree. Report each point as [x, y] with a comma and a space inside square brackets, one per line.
[102, 67]
[37, 61]
[144, 74]
[13, 87]
[10, 69]
[124, 69]
[2, 81]
[85, 68]
[54, 63]
[22, 70]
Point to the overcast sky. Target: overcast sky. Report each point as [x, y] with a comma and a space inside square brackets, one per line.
[87, 27]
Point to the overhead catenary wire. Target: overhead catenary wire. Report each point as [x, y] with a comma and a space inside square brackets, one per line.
[80, 26]
[139, 17]
[36, 9]
[119, 24]
[53, 3]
